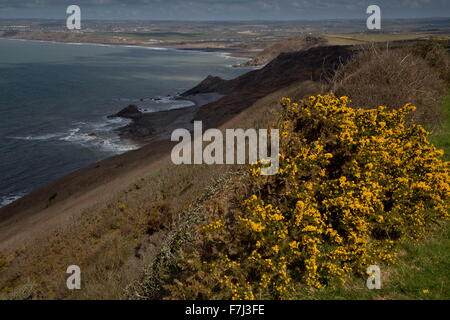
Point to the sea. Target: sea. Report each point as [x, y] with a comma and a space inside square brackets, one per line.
[55, 99]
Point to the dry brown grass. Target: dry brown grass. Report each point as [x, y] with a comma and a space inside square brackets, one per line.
[392, 77]
[360, 38]
[434, 53]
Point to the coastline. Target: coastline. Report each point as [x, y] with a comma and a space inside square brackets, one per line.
[58, 202]
[245, 55]
[162, 121]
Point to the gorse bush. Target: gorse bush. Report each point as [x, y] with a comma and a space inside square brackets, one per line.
[353, 184]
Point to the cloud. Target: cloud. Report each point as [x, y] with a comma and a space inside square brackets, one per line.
[237, 9]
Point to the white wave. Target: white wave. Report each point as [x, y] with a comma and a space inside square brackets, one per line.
[88, 44]
[167, 103]
[150, 48]
[225, 55]
[99, 135]
[114, 146]
[172, 100]
[118, 121]
[75, 136]
[107, 125]
[181, 105]
[4, 201]
[38, 137]
[99, 141]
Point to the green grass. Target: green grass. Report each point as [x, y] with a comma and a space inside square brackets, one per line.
[426, 266]
[441, 138]
[422, 272]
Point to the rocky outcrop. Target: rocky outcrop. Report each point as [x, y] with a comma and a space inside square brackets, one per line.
[210, 84]
[130, 112]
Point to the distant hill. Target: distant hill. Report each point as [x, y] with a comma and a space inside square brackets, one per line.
[299, 43]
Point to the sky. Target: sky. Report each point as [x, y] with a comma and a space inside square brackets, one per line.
[223, 9]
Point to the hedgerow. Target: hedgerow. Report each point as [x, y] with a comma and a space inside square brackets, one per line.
[352, 185]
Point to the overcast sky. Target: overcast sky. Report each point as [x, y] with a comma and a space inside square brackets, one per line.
[224, 9]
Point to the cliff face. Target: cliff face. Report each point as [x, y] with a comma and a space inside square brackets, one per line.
[315, 64]
[130, 112]
[238, 94]
[210, 84]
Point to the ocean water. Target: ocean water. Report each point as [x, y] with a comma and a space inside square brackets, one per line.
[55, 97]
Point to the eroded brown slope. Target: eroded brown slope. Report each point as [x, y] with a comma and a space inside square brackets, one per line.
[315, 64]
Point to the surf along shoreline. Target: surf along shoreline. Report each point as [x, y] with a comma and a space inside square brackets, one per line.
[153, 126]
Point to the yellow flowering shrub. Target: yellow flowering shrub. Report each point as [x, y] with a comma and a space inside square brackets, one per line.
[352, 184]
